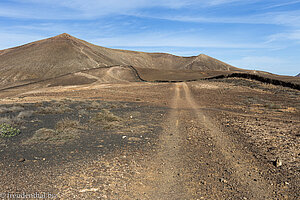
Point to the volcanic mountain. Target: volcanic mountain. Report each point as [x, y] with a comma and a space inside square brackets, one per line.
[65, 54]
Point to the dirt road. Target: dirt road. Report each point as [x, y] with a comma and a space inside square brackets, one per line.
[195, 160]
[201, 140]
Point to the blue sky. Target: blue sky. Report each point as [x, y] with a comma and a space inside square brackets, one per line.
[251, 34]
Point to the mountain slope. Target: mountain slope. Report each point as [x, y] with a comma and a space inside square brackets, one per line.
[64, 54]
[45, 59]
[298, 75]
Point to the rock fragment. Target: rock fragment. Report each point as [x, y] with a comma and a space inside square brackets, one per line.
[278, 162]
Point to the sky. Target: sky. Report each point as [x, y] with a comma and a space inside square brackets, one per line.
[250, 34]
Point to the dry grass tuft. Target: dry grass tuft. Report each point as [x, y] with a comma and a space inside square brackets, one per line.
[107, 119]
[65, 130]
[66, 124]
[55, 109]
[43, 135]
[105, 116]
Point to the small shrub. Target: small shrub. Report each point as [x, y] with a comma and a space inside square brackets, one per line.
[65, 130]
[44, 134]
[60, 135]
[105, 116]
[7, 130]
[55, 109]
[107, 119]
[66, 124]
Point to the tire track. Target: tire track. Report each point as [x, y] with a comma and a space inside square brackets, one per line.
[241, 162]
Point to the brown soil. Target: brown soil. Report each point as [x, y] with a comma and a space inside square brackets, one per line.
[209, 139]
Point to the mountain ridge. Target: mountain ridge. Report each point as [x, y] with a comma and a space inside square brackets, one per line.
[61, 54]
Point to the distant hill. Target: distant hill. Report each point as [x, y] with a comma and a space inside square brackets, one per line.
[65, 54]
[298, 75]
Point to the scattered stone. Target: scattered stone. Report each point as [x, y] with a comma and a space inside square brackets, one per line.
[134, 139]
[203, 182]
[124, 136]
[278, 162]
[21, 160]
[223, 180]
[89, 190]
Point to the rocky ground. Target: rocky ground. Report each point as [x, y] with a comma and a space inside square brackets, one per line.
[216, 139]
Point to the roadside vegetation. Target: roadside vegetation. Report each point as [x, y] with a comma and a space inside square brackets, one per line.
[7, 130]
[64, 131]
[107, 119]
